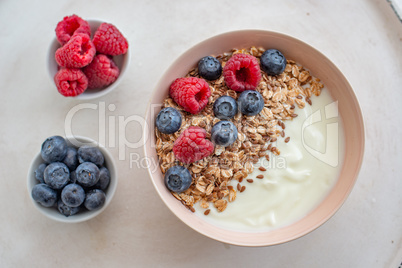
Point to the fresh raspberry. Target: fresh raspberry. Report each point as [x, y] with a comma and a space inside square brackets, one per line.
[76, 53]
[192, 146]
[70, 82]
[101, 72]
[191, 93]
[109, 40]
[242, 72]
[69, 26]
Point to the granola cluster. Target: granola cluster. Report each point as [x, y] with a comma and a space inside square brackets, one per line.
[214, 176]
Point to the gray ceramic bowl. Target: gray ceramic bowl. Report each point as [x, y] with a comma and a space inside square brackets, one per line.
[83, 215]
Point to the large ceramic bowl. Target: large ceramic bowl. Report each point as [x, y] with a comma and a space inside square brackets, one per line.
[340, 90]
[83, 214]
[122, 61]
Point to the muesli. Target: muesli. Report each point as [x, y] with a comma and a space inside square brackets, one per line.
[219, 177]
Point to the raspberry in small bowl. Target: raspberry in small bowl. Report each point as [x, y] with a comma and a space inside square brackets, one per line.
[71, 179]
[82, 63]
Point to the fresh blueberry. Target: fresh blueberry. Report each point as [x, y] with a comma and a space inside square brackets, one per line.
[73, 195]
[71, 159]
[209, 68]
[54, 149]
[104, 179]
[94, 199]
[56, 175]
[39, 173]
[168, 120]
[225, 107]
[87, 174]
[92, 154]
[250, 102]
[73, 177]
[224, 133]
[67, 210]
[178, 179]
[273, 62]
[44, 195]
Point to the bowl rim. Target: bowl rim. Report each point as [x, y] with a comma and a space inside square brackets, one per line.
[97, 93]
[31, 181]
[147, 152]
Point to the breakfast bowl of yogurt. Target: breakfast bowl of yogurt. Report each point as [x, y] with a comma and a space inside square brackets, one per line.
[259, 138]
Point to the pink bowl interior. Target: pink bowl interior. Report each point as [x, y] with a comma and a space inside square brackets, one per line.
[340, 90]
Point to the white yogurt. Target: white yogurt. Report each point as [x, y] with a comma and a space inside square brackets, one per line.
[295, 181]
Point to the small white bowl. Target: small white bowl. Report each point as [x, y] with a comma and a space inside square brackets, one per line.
[82, 215]
[122, 61]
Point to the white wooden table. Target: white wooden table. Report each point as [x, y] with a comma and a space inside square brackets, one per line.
[363, 38]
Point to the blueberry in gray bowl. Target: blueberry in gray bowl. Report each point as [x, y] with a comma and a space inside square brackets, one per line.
[73, 195]
[56, 175]
[39, 173]
[92, 154]
[54, 149]
[71, 158]
[87, 174]
[73, 177]
[67, 210]
[44, 195]
[104, 179]
[94, 199]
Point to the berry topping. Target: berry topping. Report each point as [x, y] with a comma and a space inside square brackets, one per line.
[69, 26]
[101, 72]
[192, 146]
[250, 102]
[109, 40]
[273, 62]
[178, 179]
[242, 72]
[54, 149]
[225, 107]
[168, 120]
[94, 199]
[77, 52]
[91, 154]
[224, 133]
[191, 93]
[67, 210]
[87, 174]
[71, 159]
[73, 195]
[44, 195]
[70, 82]
[209, 68]
[56, 175]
